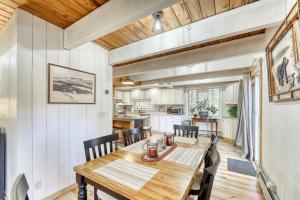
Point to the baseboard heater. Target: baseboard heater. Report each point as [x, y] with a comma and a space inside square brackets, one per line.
[268, 187]
[2, 163]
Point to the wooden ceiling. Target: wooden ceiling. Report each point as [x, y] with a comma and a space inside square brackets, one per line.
[180, 14]
[59, 12]
[65, 12]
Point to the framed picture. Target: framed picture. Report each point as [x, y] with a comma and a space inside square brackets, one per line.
[70, 86]
[283, 59]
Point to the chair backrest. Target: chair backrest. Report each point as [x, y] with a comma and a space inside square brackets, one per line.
[20, 188]
[186, 122]
[209, 175]
[136, 133]
[128, 140]
[132, 136]
[214, 140]
[186, 131]
[100, 144]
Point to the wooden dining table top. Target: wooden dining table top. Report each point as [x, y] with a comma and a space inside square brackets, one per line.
[173, 180]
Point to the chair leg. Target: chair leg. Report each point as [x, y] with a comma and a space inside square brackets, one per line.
[150, 132]
[95, 194]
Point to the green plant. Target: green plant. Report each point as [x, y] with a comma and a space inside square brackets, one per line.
[203, 106]
[232, 111]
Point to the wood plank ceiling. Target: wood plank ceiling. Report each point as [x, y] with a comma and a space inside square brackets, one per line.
[65, 12]
[62, 13]
[180, 14]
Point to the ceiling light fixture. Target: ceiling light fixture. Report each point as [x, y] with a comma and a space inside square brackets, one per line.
[157, 24]
[128, 82]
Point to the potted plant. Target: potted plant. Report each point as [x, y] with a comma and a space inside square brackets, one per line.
[232, 111]
[203, 108]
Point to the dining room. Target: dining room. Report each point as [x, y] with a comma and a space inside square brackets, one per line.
[138, 99]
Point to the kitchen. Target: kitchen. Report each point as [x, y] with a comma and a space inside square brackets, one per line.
[166, 105]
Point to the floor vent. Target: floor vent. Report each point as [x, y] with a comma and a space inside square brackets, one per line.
[267, 185]
[2, 163]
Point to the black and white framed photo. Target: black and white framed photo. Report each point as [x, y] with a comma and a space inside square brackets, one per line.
[70, 86]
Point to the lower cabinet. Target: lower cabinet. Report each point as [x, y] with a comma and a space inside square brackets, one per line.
[165, 123]
[229, 128]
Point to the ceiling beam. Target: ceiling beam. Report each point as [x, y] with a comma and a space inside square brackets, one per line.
[221, 65]
[110, 17]
[251, 17]
[208, 56]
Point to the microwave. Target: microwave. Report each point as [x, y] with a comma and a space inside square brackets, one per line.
[178, 111]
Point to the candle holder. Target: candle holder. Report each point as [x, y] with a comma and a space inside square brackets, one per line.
[169, 138]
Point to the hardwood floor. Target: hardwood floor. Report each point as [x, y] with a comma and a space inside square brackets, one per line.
[227, 186]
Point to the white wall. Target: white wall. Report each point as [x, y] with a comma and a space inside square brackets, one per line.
[280, 140]
[8, 88]
[48, 137]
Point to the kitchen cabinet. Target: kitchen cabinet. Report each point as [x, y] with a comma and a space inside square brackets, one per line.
[229, 128]
[118, 94]
[165, 123]
[228, 94]
[154, 122]
[178, 96]
[236, 87]
[137, 94]
[231, 93]
[155, 94]
[165, 96]
[126, 97]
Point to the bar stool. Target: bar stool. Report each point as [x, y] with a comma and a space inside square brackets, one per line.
[145, 130]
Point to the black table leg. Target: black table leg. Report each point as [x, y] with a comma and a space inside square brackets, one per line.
[82, 192]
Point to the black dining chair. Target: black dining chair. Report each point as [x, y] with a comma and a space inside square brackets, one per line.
[104, 145]
[203, 184]
[214, 140]
[186, 131]
[132, 136]
[186, 122]
[20, 188]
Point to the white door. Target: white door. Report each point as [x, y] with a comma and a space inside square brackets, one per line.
[226, 128]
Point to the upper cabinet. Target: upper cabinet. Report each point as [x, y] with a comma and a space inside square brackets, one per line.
[165, 96]
[231, 93]
[126, 97]
[119, 94]
[137, 94]
[158, 96]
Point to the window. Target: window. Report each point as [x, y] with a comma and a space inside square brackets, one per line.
[211, 94]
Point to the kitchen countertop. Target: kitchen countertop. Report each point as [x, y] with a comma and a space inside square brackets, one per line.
[128, 117]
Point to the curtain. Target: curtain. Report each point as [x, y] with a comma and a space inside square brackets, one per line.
[244, 137]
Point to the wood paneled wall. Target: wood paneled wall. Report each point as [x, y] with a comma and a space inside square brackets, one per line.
[48, 137]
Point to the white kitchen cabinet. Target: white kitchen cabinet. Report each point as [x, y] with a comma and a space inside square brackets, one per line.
[236, 92]
[147, 94]
[172, 97]
[118, 94]
[137, 94]
[155, 94]
[178, 95]
[163, 121]
[154, 122]
[226, 128]
[165, 96]
[229, 128]
[228, 95]
[126, 97]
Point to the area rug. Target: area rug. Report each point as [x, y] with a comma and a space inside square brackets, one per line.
[240, 166]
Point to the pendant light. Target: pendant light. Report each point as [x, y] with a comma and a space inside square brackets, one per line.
[128, 82]
[158, 26]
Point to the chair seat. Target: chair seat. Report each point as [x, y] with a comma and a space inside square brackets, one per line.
[147, 127]
[104, 196]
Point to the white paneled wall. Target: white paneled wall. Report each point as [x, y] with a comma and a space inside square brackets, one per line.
[48, 138]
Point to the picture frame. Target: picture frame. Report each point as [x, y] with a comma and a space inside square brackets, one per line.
[283, 63]
[70, 86]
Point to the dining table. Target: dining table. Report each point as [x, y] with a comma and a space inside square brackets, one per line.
[123, 174]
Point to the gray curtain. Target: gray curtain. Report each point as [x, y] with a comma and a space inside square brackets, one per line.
[244, 132]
